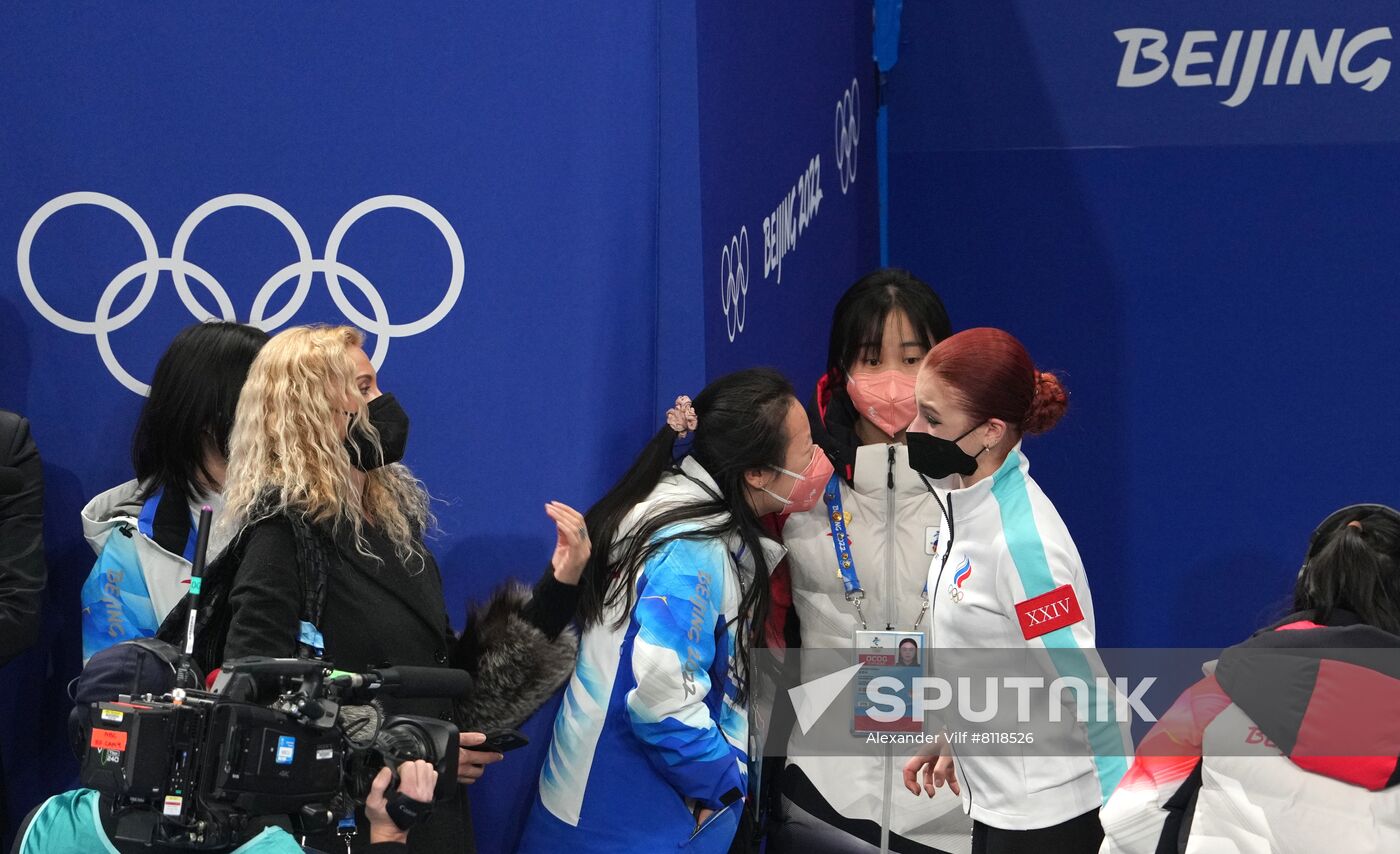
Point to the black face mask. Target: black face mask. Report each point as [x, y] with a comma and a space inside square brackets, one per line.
[938, 458]
[392, 423]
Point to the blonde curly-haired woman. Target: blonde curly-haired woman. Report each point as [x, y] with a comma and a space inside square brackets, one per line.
[317, 489]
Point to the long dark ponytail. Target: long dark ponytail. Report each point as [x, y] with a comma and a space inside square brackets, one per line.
[740, 427]
[1354, 564]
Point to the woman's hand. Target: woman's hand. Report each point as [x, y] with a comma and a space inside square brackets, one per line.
[935, 767]
[572, 548]
[471, 764]
[417, 780]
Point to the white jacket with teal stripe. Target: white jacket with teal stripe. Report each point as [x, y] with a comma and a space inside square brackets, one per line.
[649, 726]
[1007, 546]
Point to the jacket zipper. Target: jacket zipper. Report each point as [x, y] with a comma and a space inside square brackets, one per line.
[935, 593]
[936, 589]
[700, 828]
[889, 593]
[887, 765]
[964, 777]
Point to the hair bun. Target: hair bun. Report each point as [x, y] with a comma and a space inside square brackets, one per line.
[1048, 404]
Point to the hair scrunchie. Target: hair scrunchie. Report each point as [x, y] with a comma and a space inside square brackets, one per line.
[681, 417]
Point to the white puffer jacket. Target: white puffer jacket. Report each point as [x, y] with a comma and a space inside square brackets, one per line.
[893, 526]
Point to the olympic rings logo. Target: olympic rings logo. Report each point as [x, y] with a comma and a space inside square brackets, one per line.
[104, 323]
[848, 134]
[734, 281]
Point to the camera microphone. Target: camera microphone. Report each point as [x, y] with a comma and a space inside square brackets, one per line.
[417, 682]
[186, 676]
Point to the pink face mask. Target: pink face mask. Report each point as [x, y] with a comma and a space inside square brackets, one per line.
[807, 487]
[885, 399]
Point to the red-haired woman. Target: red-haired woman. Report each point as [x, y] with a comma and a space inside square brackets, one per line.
[1007, 576]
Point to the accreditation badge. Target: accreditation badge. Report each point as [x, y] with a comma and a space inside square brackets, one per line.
[891, 661]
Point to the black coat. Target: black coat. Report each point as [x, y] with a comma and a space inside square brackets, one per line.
[22, 569]
[375, 614]
[382, 613]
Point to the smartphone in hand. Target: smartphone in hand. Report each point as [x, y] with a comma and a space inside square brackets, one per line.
[502, 741]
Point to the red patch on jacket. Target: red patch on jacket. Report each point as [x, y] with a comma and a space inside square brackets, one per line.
[1351, 729]
[1048, 612]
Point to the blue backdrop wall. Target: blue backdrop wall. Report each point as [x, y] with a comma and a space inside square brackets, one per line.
[1203, 240]
[560, 217]
[788, 191]
[527, 202]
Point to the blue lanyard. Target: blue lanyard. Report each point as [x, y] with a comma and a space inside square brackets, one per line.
[845, 561]
[146, 524]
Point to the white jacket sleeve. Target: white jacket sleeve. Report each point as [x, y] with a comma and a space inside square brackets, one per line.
[1042, 576]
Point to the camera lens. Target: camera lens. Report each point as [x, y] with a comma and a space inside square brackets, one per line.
[405, 741]
[398, 742]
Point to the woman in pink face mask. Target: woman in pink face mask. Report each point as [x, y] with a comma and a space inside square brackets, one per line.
[881, 330]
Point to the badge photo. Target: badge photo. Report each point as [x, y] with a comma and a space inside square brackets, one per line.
[887, 655]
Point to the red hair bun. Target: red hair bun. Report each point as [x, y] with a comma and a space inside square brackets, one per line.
[1048, 404]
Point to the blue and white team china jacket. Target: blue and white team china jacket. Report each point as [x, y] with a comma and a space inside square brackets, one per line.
[135, 582]
[1012, 579]
[650, 728]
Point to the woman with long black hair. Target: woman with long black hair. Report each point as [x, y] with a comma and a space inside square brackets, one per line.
[650, 748]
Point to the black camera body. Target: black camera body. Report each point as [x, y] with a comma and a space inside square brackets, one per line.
[200, 770]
